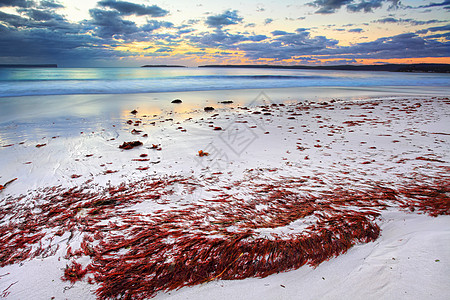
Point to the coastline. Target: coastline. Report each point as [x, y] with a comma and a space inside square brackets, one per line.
[391, 140]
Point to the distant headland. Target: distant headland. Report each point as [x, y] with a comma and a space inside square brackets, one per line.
[28, 66]
[163, 66]
[424, 68]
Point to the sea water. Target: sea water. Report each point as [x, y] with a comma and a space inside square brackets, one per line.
[66, 101]
[70, 81]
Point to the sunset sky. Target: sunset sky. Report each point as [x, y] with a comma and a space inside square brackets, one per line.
[83, 33]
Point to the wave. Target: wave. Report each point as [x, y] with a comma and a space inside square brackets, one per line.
[60, 85]
[198, 77]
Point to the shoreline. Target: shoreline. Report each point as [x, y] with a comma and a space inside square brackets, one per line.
[321, 147]
[79, 105]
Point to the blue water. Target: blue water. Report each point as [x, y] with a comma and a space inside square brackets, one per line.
[67, 81]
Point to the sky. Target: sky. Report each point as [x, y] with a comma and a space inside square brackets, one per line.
[115, 33]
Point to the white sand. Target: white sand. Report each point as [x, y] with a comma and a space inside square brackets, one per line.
[410, 260]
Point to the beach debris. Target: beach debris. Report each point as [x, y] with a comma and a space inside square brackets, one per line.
[128, 255]
[2, 187]
[226, 102]
[429, 159]
[74, 272]
[143, 155]
[130, 145]
[74, 176]
[201, 153]
[40, 145]
[217, 128]
[177, 101]
[134, 112]
[9, 145]
[156, 147]
[110, 171]
[209, 108]
[129, 122]
[134, 131]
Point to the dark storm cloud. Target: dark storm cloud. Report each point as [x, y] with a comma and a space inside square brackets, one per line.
[331, 6]
[15, 3]
[128, 8]
[229, 17]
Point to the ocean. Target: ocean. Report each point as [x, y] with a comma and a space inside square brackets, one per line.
[71, 81]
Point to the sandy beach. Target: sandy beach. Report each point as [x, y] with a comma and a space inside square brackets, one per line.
[261, 197]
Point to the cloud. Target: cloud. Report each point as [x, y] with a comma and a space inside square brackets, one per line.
[410, 21]
[50, 4]
[222, 39]
[35, 35]
[42, 15]
[127, 8]
[15, 3]
[434, 29]
[440, 28]
[368, 6]
[164, 50]
[438, 36]
[405, 45]
[154, 25]
[229, 17]
[286, 45]
[108, 23]
[434, 4]
[13, 20]
[279, 32]
[331, 6]
[43, 45]
[44, 20]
